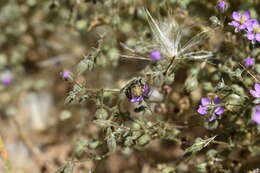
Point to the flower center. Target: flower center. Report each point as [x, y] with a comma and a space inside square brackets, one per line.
[256, 29]
[243, 19]
[137, 91]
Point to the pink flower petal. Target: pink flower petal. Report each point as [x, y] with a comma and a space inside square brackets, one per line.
[254, 93]
[205, 101]
[155, 55]
[242, 27]
[236, 16]
[257, 108]
[249, 62]
[202, 110]
[234, 23]
[250, 36]
[247, 15]
[137, 99]
[257, 87]
[257, 37]
[256, 117]
[216, 100]
[219, 110]
[213, 117]
[7, 81]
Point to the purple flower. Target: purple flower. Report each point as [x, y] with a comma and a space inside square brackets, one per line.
[256, 115]
[253, 26]
[253, 31]
[7, 81]
[222, 5]
[208, 105]
[219, 110]
[139, 93]
[66, 75]
[240, 21]
[256, 93]
[6, 78]
[155, 55]
[137, 90]
[249, 62]
[203, 107]
[257, 37]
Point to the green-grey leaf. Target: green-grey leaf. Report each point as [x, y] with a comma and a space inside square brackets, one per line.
[198, 145]
[111, 141]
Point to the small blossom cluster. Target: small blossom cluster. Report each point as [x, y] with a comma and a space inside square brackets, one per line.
[243, 22]
[214, 108]
[211, 106]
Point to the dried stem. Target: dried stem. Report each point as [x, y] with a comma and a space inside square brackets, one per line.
[169, 66]
[255, 78]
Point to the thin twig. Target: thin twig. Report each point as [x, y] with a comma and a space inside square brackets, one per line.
[104, 89]
[221, 143]
[210, 140]
[135, 58]
[257, 80]
[98, 89]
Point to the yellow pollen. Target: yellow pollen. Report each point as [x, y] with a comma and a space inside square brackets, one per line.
[243, 19]
[256, 30]
[137, 91]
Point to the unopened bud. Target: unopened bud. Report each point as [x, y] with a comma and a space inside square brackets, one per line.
[143, 140]
[101, 114]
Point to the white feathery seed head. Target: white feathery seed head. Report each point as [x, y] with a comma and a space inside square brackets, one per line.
[168, 36]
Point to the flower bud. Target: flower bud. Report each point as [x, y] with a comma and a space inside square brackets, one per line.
[93, 144]
[202, 168]
[128, 141]
[208, 86]
[143, 140]
[191, 83]
[222, 6]
[257, 68]
[80, 147]
[86, 64]
[136, 134]
[136, 126]
[101, 114]
[169, 79]
[155, 55]
[66, 75]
